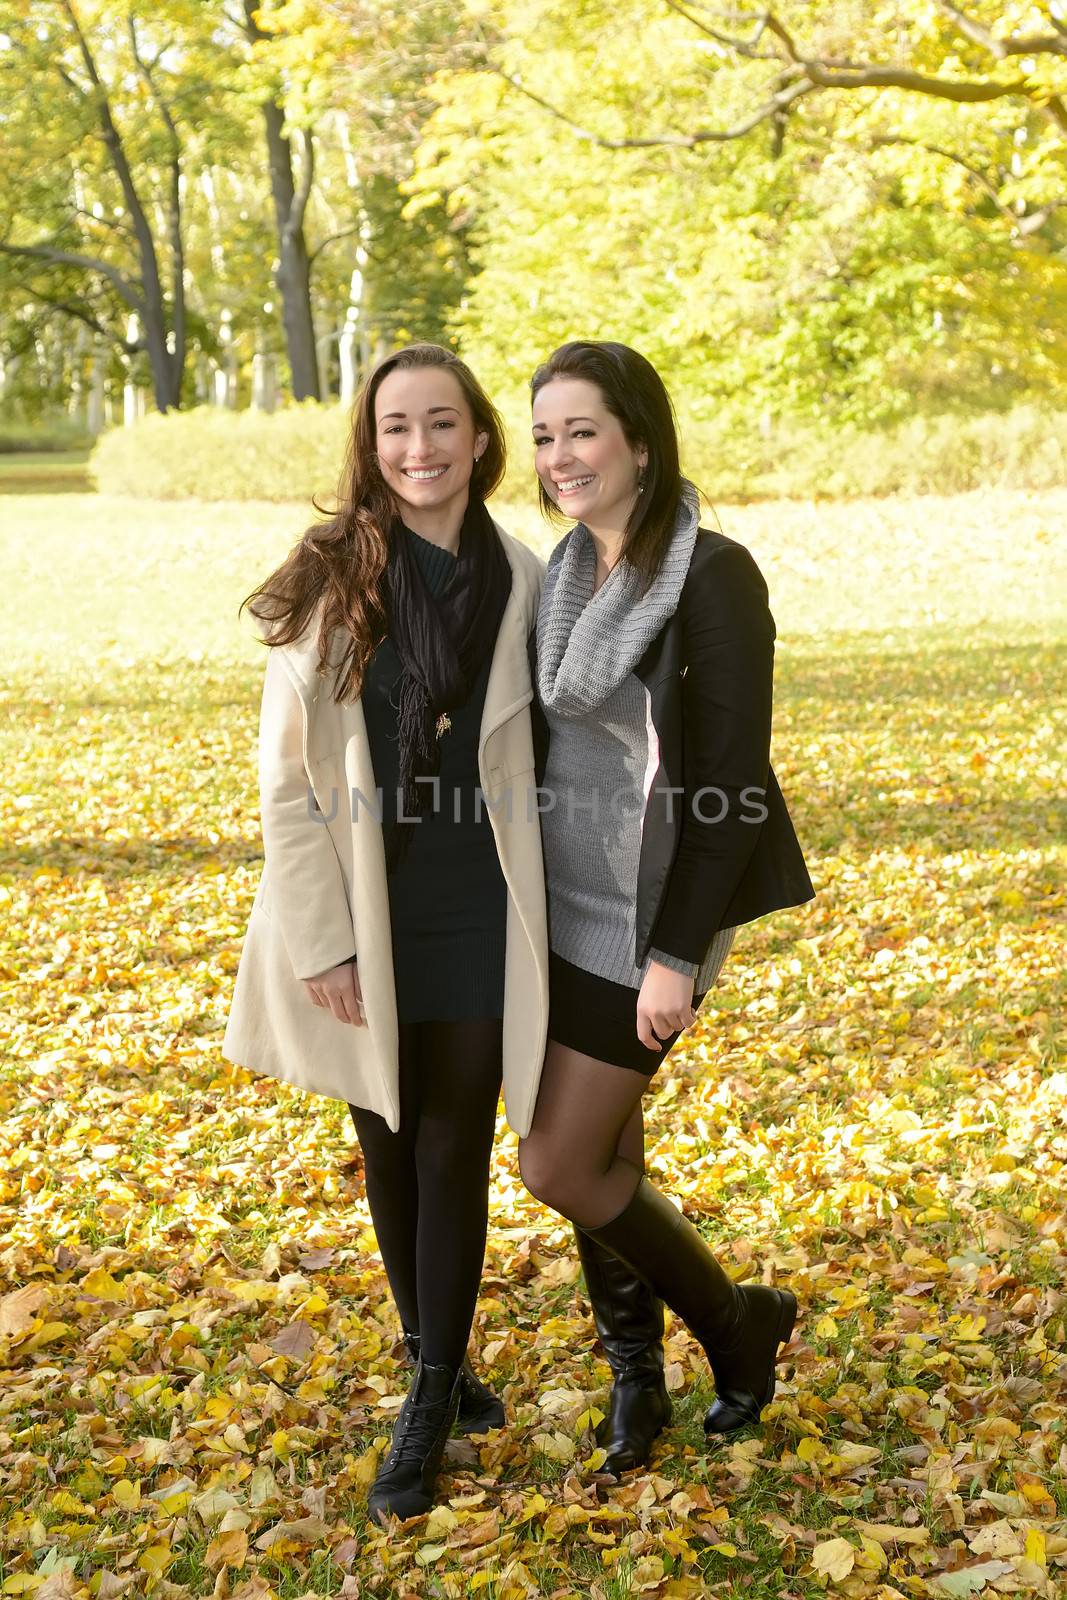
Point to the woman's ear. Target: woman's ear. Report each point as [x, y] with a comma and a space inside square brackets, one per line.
[481, 440]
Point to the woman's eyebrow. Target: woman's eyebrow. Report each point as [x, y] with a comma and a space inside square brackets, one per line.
[567, 422]
[432, 412]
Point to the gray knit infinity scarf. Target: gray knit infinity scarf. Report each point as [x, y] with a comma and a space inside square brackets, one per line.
[588, 643]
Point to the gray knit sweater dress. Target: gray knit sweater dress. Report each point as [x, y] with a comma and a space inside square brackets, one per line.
[599, 769]
[602, 758]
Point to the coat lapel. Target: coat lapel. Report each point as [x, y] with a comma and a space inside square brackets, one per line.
[506, 692]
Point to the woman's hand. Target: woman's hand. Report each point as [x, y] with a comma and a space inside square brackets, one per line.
[664, 1005]
[339, 991]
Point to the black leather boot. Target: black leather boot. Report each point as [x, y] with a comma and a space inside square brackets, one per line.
[740, 1327]
[405, 1481]
[479, 1408]
[744, 1375]
[629, 1321]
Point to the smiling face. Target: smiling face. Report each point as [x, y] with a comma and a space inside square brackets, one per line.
[425, 439]
[584, 460]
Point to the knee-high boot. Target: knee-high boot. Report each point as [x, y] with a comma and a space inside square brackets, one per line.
[629, 1321]
[739, 1326]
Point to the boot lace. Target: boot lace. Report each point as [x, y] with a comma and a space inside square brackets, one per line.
[419, 1430]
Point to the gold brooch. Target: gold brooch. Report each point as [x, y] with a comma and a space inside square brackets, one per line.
[444, 723]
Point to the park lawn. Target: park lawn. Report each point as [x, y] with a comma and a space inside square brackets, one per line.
[44, 472]
[198, 1358]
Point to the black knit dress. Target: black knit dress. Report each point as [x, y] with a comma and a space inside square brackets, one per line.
[447, 895]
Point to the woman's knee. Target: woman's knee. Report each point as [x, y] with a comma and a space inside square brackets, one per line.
[447, 1163]
[548, 1175]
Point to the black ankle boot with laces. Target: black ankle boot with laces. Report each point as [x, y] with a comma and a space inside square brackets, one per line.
[405, 1482]
[479, 1408]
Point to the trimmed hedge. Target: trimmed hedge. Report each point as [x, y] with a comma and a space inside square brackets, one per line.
[293, 454]
[212, 454]
[1020, 449]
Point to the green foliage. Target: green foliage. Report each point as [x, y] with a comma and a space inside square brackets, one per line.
[871, 254]
[864, 256]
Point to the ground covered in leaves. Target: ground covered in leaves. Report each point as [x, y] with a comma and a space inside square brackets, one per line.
[199, 1361]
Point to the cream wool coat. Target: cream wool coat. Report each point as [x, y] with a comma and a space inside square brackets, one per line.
[323, 891]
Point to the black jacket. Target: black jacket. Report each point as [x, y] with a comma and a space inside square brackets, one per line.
[720, 850]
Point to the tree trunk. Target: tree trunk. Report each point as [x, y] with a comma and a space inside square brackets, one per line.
[166, 365]
[293, 276]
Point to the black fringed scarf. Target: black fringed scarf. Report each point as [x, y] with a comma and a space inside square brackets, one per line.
[442, 643]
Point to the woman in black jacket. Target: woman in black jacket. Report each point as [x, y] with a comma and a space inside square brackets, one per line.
[664, 829]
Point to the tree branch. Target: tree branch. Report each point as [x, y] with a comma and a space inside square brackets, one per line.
[682, 141]
[345, 233]
[802, 75]
[146, 73]
[69, 258]
[962, 92]
[113, 141]
[983, 178]
[1015, 44]
[307, 174]
[1034, 221]
[82, 313]
[744, 47]
[102, 222]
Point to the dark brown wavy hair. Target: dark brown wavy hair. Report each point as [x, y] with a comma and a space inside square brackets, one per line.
[634, 392]
[343, 559]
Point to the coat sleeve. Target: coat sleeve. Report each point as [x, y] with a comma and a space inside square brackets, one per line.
[728, 644]
[308, 899]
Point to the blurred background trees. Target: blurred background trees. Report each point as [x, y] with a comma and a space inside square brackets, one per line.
[847, 214]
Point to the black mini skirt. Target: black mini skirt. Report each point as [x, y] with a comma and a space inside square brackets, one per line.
[599, 1018]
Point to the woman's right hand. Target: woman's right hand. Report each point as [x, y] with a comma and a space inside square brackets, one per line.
[339, 991]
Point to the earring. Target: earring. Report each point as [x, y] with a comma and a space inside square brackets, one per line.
[641, 484]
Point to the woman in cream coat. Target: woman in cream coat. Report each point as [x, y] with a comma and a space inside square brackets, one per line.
[387, 627]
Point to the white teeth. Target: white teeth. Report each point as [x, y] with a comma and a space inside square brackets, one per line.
[424, 474]
[573, 483]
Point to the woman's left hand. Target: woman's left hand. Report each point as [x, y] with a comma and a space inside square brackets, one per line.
[664, 1005]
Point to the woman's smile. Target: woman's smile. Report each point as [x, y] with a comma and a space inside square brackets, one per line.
[566, 486]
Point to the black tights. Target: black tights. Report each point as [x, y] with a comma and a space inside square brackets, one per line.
[428, 1183]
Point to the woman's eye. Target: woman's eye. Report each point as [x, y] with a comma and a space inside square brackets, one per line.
[396, 428]
[539, 442]
[584, 433]
[444, 423]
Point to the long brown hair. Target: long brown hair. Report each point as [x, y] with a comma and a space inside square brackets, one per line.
[343, 560]
[634, 392]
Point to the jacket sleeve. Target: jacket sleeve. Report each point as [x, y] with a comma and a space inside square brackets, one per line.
[308, 899]
[728, 645]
